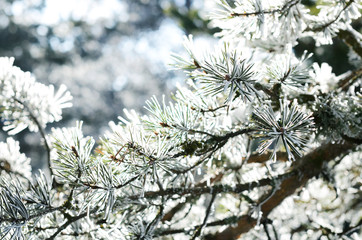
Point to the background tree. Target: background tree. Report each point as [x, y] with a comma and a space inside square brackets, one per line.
[262, 143]
[96, 47]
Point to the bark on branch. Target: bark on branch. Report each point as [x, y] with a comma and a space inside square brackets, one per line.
[352, 38]
[308, 167]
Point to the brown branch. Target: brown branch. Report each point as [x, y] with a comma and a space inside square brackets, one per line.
[350, 37]
[262, 158]
[344, 83]
[308, 167]
[351, 139]
[210, 109]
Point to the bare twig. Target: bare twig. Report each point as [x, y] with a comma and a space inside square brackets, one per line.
[204, 223]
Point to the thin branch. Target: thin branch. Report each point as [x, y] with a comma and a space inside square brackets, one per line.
[42, 133]
[222, 188]
[325, 25]
[38, 214]
[212, 109]
[351, 229]
[204, 223]
[283, 9]
[274, 231]
[106, 188]
[169, 215]
[201, 160]
[197, 131]
[70, 221]
[220, 142]
[234, 134]
[222, 222]
[265, 225]
[160, 214]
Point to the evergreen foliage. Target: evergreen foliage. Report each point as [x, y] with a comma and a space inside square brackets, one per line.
[257, 138]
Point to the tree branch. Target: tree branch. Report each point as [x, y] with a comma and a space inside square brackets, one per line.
[222, 188]
[308, 166]
[36, 215]
[70, 221]
[169, 215]
[42, 133]
[204, 223]
[283, 9]
[327, 24]
[344, 83]
[352, 38]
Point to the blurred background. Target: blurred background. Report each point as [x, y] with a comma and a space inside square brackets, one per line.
[111, 54]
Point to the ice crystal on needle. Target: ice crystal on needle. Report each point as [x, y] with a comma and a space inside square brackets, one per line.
[289, 129]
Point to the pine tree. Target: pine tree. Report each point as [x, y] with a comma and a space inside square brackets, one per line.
[260, 143]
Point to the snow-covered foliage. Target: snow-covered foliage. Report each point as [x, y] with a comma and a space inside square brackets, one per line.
[259, 144]
[27, 103]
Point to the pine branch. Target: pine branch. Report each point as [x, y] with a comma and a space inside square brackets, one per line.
[6, 168]
[308, 167]
[211, 109]
[115, 187]
[222, 188]
[204, 223]
[256, 158]
[283, 9]
[36, 215]
[171, 213]
[346, 82]
[70, 221]
[262, 158]
[222, 222]
[218, 140]
[351, 229]
[327, 24]
[305, 169]
[350, 37]
[42, 133]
